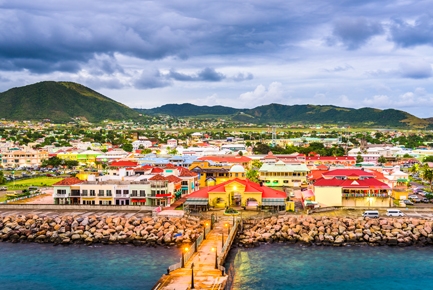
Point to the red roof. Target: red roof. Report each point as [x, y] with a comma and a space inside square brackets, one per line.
[184, 172]
[158, 177]
[348, 172]
[123, 164]
[157, 170]
[227, 159]
[250, 186]
[170, 166]
[352, 183]
[331, 158]
[173, 178]
[69, 181]
[315, 174]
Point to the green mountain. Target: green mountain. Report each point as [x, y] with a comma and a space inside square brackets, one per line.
[190, 110]
[310, 114]
[59, 102]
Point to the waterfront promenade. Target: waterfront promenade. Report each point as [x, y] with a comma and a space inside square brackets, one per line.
[205, 274]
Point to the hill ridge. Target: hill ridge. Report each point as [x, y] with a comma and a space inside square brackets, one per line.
[60, 102]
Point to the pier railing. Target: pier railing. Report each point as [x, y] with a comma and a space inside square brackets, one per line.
[190, 252]
[228, 243]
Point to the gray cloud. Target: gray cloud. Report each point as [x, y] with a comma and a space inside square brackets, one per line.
[415, 70]
[151, 79]
[340, 68]
[354, 33]
[207, 75]
[420, 32]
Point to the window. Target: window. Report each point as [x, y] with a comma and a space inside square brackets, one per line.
[285, 181]
[126, 192]
[84, 193]
[142, 193]
[101, 192]
[61, 191]
[134, 193]
[118, 191]
[92, 192]
[108, 192]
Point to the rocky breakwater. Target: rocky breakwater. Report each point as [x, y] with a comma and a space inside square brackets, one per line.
[68, 229]
[333, 231]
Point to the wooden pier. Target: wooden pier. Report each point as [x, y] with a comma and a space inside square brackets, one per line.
[203, 269]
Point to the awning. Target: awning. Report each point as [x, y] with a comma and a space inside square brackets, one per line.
[138, 200]
[273, 202]
[197, 201]
[402, 180]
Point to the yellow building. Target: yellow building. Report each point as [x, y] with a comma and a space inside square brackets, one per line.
[237, 191]
[283, 174]
[351, 188]
[210, 174]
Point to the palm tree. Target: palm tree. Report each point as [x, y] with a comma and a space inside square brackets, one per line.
[414, 169]
[427, 174]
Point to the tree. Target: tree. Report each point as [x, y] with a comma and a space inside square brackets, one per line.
[381, 160]
[359, 158]
[428, 159]
[427, 174]
[257, 164]
[253, 175]
[127, 147]
[407, 156]
[413, 169]
[2, 178]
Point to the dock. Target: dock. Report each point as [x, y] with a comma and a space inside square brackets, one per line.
[203, 269]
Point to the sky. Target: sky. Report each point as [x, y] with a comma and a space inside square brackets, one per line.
[243, 54]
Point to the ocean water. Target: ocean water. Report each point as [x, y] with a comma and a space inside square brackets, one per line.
[282, 266]
[43, 266]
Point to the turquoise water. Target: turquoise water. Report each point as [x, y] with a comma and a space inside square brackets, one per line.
[281, 266]
[36, 266]
[276, 266]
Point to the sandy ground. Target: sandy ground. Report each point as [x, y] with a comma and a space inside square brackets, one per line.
[46, 198]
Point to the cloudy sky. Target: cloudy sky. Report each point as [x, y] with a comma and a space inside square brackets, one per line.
[244, 53]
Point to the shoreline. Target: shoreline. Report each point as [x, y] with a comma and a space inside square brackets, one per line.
[337, 231]
[94, 229]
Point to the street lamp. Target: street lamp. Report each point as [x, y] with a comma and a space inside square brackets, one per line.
[185, 250]
[216, 257]
[204, 231]
[192, 276]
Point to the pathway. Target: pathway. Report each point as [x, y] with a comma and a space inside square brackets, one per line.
[205, 274]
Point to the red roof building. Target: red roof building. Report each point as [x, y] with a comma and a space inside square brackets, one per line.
[351, 188]
[123, 164]
[237, 192]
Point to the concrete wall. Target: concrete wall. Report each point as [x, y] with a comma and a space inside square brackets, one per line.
[76, 207]
[329, 196]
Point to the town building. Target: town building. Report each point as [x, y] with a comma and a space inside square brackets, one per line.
[237, 191]
[351, 188]
[283, 174]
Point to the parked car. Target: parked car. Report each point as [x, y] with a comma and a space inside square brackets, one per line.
[413, 196]
[394, 212]
[425, 200]
[371, 214]
[3, 188]
[407, 202]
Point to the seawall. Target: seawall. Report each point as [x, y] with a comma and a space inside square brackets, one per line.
[337, 231]
[76, 229]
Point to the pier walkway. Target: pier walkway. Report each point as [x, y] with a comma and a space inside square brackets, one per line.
[204, 261]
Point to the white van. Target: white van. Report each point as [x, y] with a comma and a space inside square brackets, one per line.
[371, 214]
[394, 212]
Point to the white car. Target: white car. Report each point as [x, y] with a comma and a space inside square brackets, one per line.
[413, 196]
[394, 212]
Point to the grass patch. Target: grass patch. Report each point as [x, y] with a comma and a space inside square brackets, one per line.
[37, 181]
